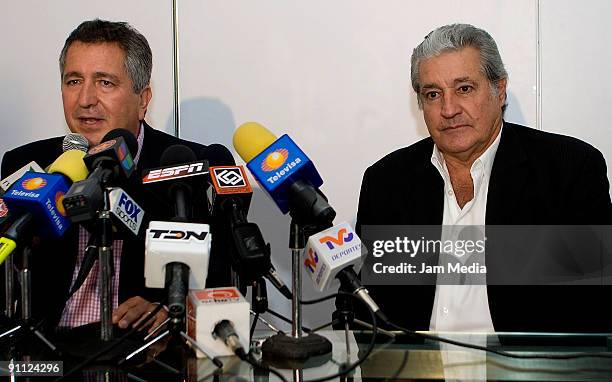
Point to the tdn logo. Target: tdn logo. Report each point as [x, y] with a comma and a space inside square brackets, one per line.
[341, 238]
[311, 261]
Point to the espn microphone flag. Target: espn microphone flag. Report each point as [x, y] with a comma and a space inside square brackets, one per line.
[172, 172]
[329, 252]
[41, 194]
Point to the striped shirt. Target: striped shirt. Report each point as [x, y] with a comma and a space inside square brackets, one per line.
[83, 307]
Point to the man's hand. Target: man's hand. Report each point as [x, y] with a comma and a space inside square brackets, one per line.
[134, 310]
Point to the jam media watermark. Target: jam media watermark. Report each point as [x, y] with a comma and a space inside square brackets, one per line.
[487, 255]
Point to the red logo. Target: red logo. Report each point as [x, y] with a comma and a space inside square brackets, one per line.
[102, 146]
[3, 209]
[218, 295]
[32, 184]
[274, 160]
[59, 199]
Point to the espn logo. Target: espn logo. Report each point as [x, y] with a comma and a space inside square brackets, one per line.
[175, 172]
[230, 179]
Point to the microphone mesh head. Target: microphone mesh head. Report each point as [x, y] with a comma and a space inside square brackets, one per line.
[75, 141]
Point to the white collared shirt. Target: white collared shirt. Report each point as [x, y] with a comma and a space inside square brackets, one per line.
[464, 307]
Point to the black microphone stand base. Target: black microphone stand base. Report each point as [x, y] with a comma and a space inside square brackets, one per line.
[283, 351]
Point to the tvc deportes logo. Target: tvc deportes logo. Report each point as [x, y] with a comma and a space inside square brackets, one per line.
[312, 260]
[340, 239]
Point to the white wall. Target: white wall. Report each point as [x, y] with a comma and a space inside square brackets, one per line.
[332, 74]
[576, 85]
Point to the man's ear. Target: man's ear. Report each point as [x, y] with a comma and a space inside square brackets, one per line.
[145, 98]
[501, 90]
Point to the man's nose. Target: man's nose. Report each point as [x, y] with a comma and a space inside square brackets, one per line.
[450, 105]
[88, 95]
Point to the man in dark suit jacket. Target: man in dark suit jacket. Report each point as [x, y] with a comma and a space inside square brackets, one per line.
[106, 68]
[535, 178]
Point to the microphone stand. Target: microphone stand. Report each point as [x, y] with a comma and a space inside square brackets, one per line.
[25, 324]
[9, 283]
[104, 229]
[280, 349]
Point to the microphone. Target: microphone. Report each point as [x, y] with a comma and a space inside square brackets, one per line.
[218, 318]
[230, 197]
[170, 245]
[125, 210]
[7, 182]
[109, 162]
[42, 194]
[284, 171]
[333, 257]
[37, 197]
[75, 141]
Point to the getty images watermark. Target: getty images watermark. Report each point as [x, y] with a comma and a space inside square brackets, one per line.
[458, 248]
[487, 255]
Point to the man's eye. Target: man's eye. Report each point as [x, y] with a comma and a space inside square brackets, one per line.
[432, 95]
[465, 89]
[72, 82]
[106, 83]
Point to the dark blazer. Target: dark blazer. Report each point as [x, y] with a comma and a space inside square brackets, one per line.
[537, 178]
[54, 260]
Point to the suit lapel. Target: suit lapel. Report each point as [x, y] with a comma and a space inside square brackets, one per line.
[508, 180]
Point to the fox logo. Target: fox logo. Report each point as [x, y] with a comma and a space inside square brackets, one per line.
[339, 240]
[311, 261]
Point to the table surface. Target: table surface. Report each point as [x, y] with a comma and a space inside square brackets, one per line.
[402, 357]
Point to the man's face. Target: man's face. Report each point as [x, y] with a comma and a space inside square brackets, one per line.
[97, 92]
[463, 114]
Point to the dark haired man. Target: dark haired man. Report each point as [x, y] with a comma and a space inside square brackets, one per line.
[105, 69]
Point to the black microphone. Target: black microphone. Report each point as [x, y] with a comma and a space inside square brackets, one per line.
[175, 162]
[110, 163]
[230, 198]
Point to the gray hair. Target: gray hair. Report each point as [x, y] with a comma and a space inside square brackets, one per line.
[138, 56]
[454, 37]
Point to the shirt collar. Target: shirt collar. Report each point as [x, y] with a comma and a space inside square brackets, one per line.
[140, 140]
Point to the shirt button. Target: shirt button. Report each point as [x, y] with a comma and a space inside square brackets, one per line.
[450, 192]
[445, 310]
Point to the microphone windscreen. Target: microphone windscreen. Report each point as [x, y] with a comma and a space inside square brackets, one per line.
[177, 154]
[217, 155]
[75, 141]
[128, 137]
[71, 165]
[250, 139]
